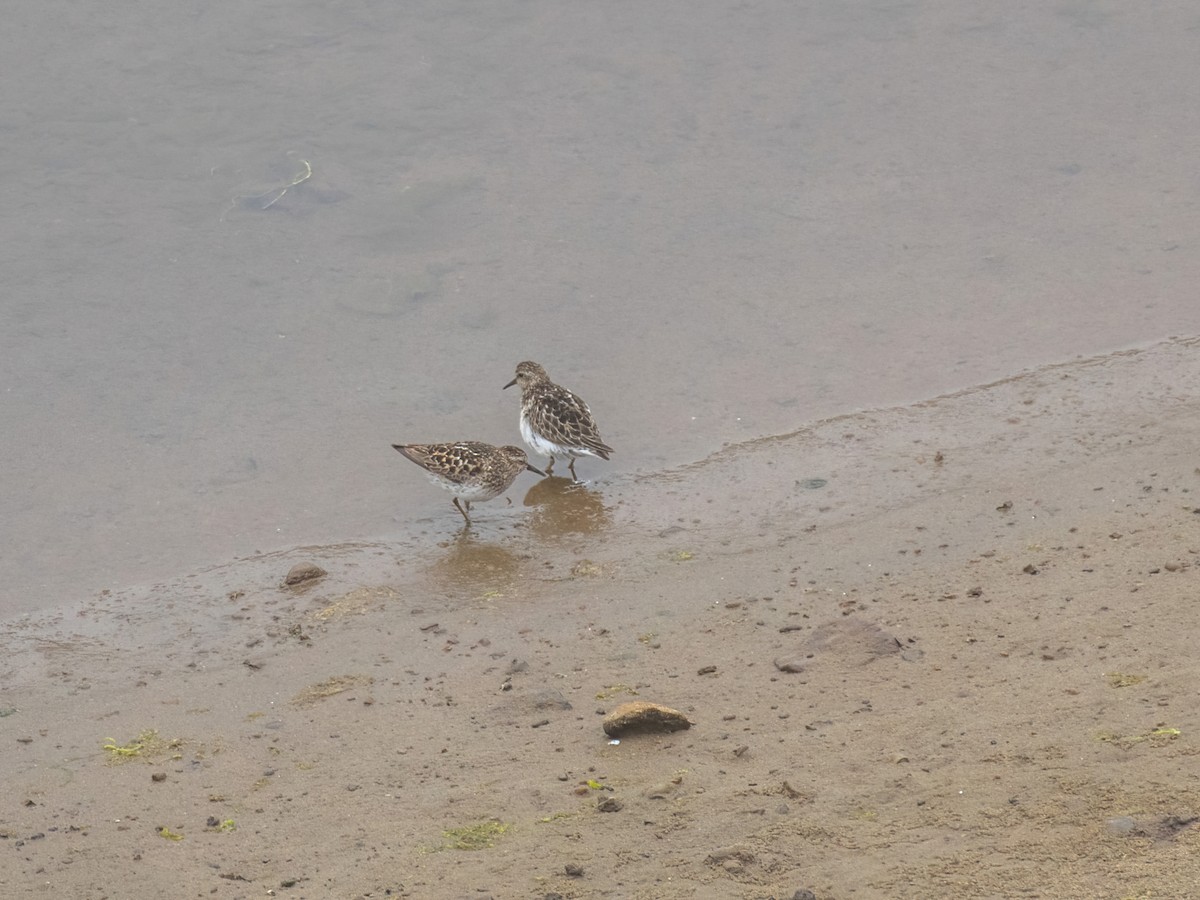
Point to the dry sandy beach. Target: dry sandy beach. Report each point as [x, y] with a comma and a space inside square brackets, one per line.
[989, 598]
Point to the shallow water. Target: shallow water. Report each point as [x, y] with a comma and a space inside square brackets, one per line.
[713, 224]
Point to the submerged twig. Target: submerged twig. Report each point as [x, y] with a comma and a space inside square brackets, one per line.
[299, 179]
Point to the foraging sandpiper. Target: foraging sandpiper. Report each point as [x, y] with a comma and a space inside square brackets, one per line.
[555, 422]
[471, 470]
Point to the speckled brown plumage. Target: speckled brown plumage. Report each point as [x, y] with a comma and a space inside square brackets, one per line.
[471, 470]
[554, 421]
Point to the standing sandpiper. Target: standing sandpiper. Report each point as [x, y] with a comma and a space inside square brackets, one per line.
[469, 469]
[554, 422]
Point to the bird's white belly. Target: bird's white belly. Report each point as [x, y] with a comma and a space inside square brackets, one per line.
[540, 445]
[469, 491]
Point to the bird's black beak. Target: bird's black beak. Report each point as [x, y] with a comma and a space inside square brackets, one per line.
[535, 471]
[510, 384]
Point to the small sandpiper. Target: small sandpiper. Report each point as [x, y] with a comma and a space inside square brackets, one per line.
[555, 422]
[469, 469]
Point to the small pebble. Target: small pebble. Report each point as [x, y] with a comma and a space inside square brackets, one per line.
[302, 572]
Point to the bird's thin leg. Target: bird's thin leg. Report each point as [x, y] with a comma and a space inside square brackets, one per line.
[574, 477]
[463, 511]
[550, 467]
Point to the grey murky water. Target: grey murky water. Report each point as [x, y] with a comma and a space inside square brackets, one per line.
[713, 223]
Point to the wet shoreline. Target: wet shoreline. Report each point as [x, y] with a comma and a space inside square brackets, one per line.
[978, 626]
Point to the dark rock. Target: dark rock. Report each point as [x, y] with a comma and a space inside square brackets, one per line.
[302, 572]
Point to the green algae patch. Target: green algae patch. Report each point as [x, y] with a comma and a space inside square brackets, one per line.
[354, 603]
[613, 690]
[123, 751]
[1156, 738]
[167, 834]
[585, 568]
[1123, 679]
[147, 746]
[479, 836]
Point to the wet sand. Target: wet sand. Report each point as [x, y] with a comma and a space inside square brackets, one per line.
[987, 600]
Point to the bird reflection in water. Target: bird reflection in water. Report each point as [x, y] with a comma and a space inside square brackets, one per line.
[565, 507]
[476, 564]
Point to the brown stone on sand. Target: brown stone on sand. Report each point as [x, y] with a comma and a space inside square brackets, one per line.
[302, 572]
[639, 716]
